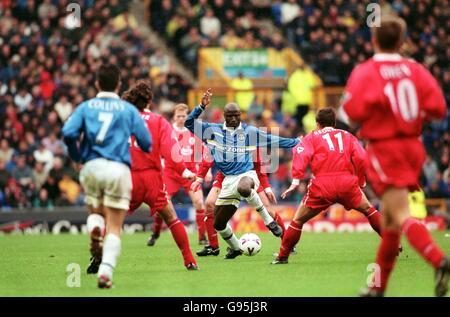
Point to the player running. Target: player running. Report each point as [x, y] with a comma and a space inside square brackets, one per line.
[146, 169]
[264, 191]
[105, 123]
[191, 153]
[391, 110]
[337, 163]
[231, 145]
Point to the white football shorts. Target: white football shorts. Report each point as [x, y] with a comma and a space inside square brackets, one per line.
[106, 183]
[229, 194]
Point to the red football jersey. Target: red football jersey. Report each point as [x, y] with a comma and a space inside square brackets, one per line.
[330, 152]
[391, 96]
[163, 145]
[191, 148]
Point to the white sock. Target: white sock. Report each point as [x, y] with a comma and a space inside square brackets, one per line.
[229, 237]
[254, 201]
[95, 220]
[111, 251]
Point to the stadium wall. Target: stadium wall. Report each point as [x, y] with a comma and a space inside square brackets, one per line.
[73, 220]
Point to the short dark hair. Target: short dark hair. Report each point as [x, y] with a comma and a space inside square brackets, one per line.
[140, 94]
[326, 117]
[108, 77]
[391, 33]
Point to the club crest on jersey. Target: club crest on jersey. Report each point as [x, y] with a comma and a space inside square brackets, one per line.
[300, 149]
[191, 141]
[241, 137]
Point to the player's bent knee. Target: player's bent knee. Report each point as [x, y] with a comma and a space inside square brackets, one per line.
[244, 190]
[219, 226]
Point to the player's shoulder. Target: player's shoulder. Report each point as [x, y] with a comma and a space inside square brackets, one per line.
[364, 67]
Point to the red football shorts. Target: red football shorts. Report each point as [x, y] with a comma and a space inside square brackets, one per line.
[324, 191]
[175, 182]
[219, 180]
[149, 188]
[396, 163]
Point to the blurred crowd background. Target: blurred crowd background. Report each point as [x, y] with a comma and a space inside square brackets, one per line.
[48, 67]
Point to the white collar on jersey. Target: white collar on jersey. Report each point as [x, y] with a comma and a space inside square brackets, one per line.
[390, 57]
[231, 129]
[107, 94]
[183, 129]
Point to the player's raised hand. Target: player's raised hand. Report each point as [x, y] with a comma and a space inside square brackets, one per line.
[206, 99]
[196, 186]
[288, 191]
[271, 196]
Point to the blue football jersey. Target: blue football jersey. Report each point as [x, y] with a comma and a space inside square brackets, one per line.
[232, 149]
[105, 125]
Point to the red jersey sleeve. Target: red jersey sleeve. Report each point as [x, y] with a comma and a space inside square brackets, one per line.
[356, 96]
[262, 176]
[170, 148]
[302, 154]
[219, 177]
[358, 156]
[206, 164]
[433, 101]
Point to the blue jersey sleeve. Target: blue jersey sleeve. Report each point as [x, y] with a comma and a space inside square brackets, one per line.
[199, 128]
[140, 131]
[265, 139]
[71, 131]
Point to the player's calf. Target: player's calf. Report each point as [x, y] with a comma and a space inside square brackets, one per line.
[442, 276]
[96, 227]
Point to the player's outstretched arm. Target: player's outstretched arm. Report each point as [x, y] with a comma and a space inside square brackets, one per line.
[192, 123]
[265, 139]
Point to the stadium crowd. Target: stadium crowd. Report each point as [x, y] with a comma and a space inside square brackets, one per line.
[47, 67]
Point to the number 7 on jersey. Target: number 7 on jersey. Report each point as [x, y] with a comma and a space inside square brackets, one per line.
[106, 119]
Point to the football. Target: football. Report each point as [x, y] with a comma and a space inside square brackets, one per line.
[250, 244]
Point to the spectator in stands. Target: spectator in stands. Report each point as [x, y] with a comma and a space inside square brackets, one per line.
[22, 173]
[300, 86]
[64, 108]
[6, 153]
[244, 95]
[209, 23]
[43, 200]
[39, 175]
[430, 170]
[44, 156]
[22, 100]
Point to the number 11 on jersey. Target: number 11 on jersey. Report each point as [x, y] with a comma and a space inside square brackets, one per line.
[338, 136]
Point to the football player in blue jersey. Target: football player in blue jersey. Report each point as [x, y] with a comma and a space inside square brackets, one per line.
[105, 125]
[232, 146]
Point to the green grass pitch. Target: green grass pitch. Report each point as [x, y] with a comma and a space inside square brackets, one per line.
[326, 265]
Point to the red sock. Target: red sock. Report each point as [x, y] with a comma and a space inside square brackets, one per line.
[157, 224]
[200, 219]
[386, 256]
[374, 218]
[290, 238]
[180, 236]
[280, 221]
[419, 237]
[212, 234]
